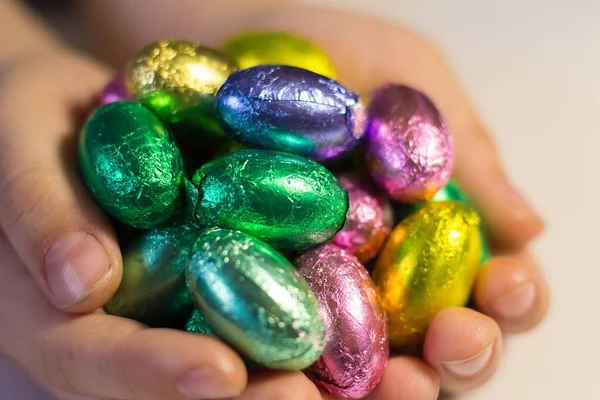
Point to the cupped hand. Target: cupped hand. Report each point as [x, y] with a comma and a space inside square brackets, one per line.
[58, 238]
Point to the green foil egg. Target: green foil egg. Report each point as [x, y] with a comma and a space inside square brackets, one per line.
[285, 200]
[153, 288]
[253, 298]
[178, 80]
[131, 164]
[197, 324]
[452, 191]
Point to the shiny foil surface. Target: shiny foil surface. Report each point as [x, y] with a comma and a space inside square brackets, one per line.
[253, 298]
[369, 220]
[290, 109]
[256, 48]
[410, 151]
[453, 192]
[197, 324]
[357, 349]
[429, 263]
[131, 164]
[178, 80]
[153, 288]
[116, 90]
[287, 201]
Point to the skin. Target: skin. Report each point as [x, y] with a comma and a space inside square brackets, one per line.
[79, 353]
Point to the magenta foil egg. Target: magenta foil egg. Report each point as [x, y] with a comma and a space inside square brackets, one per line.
[410, 151]
[369, 220]
[115, 91]
[357, 350]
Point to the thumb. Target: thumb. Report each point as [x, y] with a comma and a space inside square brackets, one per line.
[64, 239]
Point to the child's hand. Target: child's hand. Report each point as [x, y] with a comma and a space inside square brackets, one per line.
[42, 200]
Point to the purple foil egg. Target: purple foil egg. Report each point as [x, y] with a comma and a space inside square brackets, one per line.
[369, 220]
[357, 351]
[410, 151]
[290, 109]
[115, 91]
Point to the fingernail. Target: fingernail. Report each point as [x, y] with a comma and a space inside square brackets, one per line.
[204, 383]
[471, 366]
[75, 265]
[519, 206]
[516, 303]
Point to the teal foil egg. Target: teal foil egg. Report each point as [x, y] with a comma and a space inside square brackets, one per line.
[153, 288]
[453, 192]
[253, 298]
[131, 164]
[285, 200]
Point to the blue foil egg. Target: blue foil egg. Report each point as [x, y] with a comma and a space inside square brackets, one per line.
[290, 109]
[253, 298]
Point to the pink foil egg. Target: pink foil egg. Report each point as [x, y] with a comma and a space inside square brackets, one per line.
[356, 353]
[410, 151]
[115, 91]
[369, 220]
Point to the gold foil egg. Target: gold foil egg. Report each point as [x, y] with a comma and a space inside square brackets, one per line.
[428, 263]
[178, 80]
[256, 48]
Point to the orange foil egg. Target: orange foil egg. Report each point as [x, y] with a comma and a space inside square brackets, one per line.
[428, 263]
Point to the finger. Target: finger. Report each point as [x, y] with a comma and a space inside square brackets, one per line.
[270, 385]
[105, 356]
[513, 291]
[464, 347]
[49, 217]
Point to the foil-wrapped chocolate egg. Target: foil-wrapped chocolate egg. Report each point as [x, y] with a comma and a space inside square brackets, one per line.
[153, 288]
[197, 324]
[262, 47]
[369, 220]
[178, 80]
[131, 164]
[290, 109]
[410, 151]
[428, 263]
[254, 299]
[116, 90]
[287, 201]
[452, 191]
[357, 349]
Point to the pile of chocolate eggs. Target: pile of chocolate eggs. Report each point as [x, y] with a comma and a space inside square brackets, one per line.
[219, 167]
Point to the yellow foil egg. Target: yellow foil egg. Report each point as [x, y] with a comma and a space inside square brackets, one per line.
[428, 263]
[178, 80]
[256, 48]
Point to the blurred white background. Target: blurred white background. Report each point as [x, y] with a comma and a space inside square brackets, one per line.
[533, 69]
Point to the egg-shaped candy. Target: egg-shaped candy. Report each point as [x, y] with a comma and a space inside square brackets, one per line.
[357, 349]
[410, 151]
[369, 220]
[452, 191]
[263, 47]
[153, 288]
[253, 298]
[428, 263]
[178, 80]
[131, 164]
[287, 201]
[290, 109]
[197, 324]
[116, 90]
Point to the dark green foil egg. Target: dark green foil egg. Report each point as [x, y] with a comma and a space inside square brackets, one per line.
[197, 324]
[153, 288]
[131, 164]
[288, 201]
[253, 298]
